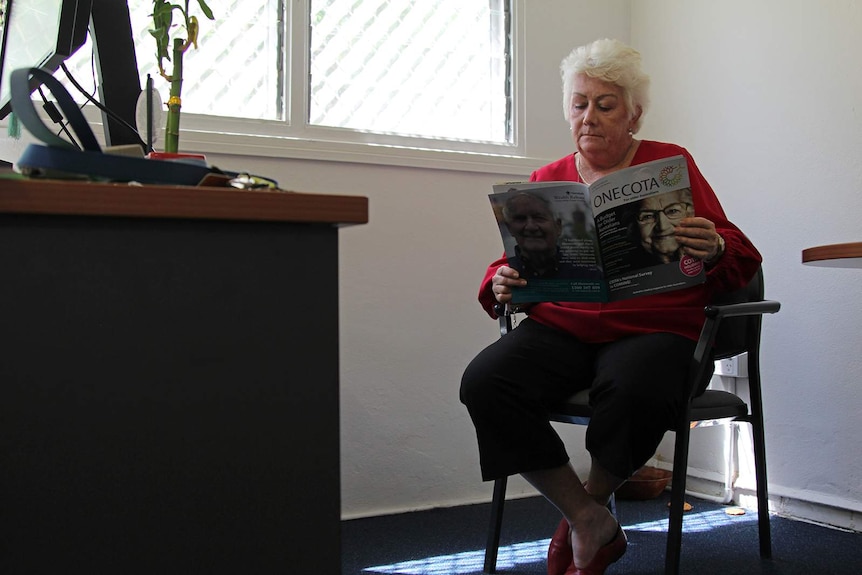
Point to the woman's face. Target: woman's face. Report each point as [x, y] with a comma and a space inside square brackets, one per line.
[600, 121]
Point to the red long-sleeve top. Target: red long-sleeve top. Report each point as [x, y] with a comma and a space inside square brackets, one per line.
[680, 311]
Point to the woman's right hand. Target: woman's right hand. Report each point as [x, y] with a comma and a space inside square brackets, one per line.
[503, 281]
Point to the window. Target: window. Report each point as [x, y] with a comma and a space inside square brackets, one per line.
[408, 75]
[434, 68]
[236, 71]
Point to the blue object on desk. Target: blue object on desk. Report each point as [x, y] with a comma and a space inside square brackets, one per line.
[61, 157]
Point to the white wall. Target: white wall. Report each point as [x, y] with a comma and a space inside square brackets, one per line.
[763, 93]
[766, 95]
[410, 321]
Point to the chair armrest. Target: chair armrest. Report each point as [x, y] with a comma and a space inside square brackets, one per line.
[744, 308]
[714, 314]
[504, 316]
[506, 313]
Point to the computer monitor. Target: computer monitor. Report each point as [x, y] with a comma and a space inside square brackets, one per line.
[43, 33]
[118, 78]
[39, 34]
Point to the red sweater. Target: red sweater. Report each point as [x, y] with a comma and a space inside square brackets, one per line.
[680, 311]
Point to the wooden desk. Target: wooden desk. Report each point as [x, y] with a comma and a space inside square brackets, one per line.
[169, 379]
[847, 255]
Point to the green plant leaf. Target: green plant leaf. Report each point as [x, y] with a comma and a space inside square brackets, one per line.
[206, 9]
[161, 37]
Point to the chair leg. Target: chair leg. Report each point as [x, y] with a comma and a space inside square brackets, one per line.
[677, 501]
[764, 530]
[492, 546]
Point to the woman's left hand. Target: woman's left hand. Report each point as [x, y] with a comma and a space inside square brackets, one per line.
[698, 238]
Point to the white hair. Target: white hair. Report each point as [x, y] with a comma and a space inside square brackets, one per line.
[609, 61]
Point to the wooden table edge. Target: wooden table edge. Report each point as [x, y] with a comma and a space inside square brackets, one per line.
[832, 252]
[107, 199]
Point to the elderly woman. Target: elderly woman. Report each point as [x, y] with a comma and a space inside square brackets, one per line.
[632, 355]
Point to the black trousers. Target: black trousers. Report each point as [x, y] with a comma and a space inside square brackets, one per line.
[637, 388]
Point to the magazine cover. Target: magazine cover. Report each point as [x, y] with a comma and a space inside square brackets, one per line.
[608, 241]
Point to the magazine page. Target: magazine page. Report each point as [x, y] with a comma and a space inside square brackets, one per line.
[635, 211]
[550, 237]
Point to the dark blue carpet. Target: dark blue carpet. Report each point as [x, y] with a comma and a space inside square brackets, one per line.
[452, 541]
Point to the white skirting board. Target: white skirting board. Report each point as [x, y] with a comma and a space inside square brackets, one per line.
[804, 505]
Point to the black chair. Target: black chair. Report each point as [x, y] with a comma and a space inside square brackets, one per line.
[731, 327]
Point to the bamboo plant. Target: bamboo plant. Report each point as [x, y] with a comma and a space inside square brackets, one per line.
[173, 51]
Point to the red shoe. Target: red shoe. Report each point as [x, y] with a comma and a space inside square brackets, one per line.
[560, 550]
[608, 554]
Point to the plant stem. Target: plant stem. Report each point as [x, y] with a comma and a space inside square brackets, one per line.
[172, 128]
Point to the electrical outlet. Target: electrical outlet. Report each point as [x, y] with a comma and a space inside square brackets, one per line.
[727, 367]
[736, 366]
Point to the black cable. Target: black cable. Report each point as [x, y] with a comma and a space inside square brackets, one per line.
[56, 116]
[103, 108]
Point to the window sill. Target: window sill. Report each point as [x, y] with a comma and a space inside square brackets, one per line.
[282, 147]
[362, 153]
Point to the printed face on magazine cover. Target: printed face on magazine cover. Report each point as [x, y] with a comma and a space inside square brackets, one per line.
[533, 225]
[656, 218]
[600, 121]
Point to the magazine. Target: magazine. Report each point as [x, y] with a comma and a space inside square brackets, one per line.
[604, 242]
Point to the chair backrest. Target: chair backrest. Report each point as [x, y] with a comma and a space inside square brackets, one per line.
[735, 335]
[742, 333]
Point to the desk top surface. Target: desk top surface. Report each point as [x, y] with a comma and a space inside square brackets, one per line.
[848, 255]
[58, 197]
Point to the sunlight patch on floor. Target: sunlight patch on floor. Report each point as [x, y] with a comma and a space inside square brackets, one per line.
[694, 522]
[469, 561]
[532, 552]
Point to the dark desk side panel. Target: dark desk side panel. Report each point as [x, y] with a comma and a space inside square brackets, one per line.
[168, 397]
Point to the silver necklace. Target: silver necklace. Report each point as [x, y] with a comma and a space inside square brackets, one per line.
[580, 171]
